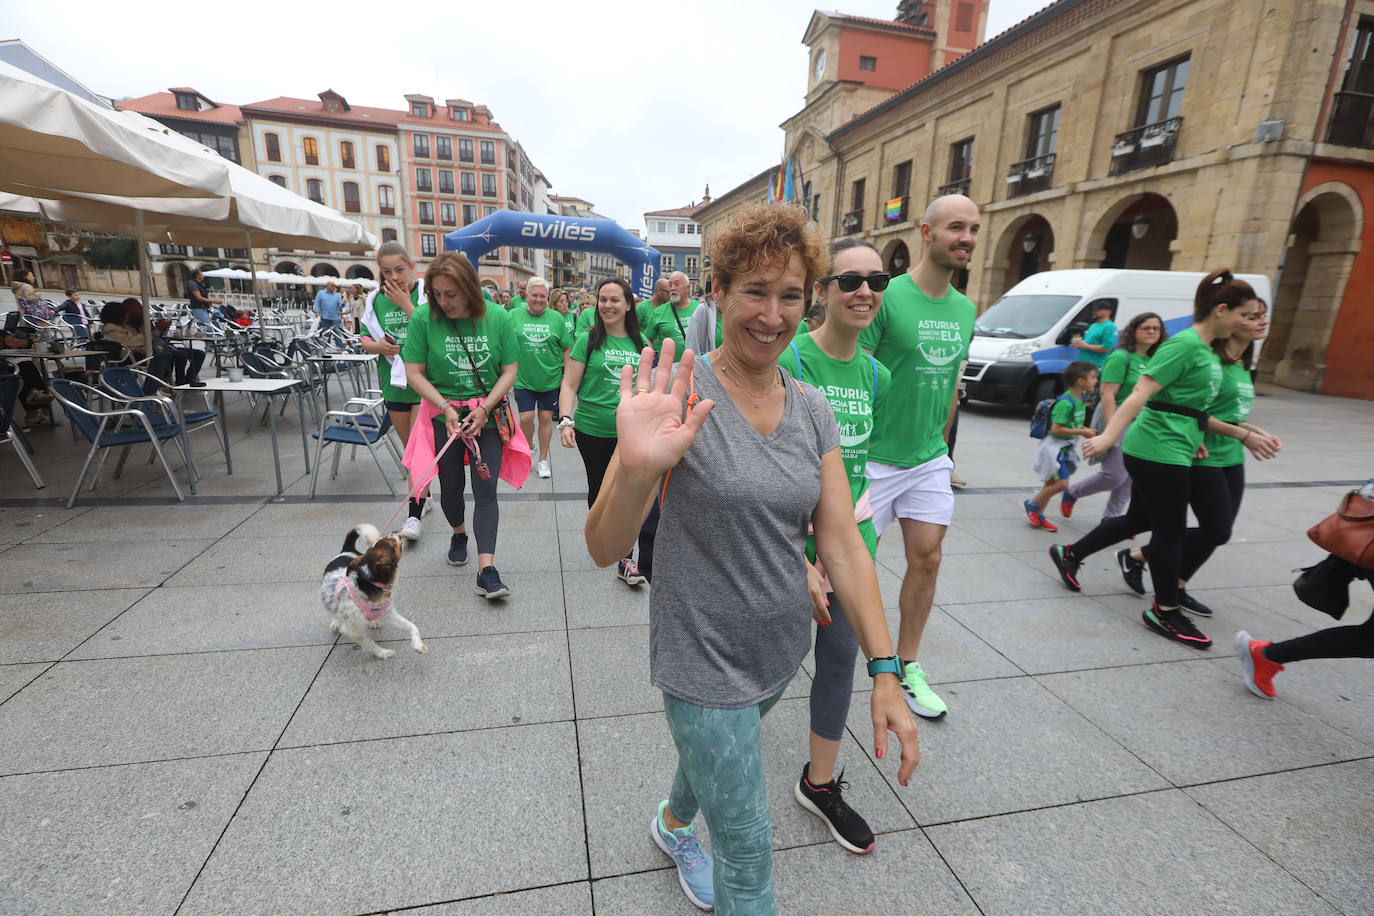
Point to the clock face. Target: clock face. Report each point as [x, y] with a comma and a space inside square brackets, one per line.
[820, 65]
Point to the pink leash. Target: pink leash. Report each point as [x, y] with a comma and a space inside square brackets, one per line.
[411, 494]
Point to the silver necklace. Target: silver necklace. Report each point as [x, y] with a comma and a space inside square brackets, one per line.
[757, 401]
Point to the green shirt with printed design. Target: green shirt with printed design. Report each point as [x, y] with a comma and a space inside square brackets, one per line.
[395, 322]
[516, 302]
[438, 342]
[1232, 404]
[542, 340]
[664, 323]
[923, 341]
[1189, 374]
[1067, 411]
[598, 396]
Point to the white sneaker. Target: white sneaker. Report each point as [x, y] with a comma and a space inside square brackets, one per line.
[543, 469]
[411, 529]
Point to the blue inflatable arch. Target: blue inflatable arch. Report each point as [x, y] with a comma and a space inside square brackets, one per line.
[563, 233]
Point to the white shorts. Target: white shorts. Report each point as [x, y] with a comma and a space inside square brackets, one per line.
[921, 493]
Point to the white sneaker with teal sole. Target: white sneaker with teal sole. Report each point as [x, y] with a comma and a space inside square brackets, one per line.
[694, 869]
[922, 700]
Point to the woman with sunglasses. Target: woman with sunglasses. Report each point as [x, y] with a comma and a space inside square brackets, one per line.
[856, 386]
[1138, 343]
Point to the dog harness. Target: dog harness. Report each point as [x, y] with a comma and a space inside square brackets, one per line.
[369, 610]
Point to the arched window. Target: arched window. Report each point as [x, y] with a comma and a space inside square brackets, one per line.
[279, 180]
[311, 146]
[314, 189]
[352, 203]
[346, 159]
[386, 197]
[273, 147]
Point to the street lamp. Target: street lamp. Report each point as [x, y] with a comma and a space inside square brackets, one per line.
[1140, 225]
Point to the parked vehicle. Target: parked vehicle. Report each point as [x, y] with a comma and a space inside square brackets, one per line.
[1021, 343]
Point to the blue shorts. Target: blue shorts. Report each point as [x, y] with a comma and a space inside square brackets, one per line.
[527, 400]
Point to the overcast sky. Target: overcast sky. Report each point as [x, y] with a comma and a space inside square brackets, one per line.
[633, 106]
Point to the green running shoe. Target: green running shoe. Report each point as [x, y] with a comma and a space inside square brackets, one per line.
[922, 700]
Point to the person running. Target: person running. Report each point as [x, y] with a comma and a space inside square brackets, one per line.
[670, 319]
[1055, 458]
[1178, 387]
[462, 358]
[592, 378]
[1218, 477]
[922, 333]
[734, 429]
[856, 385]
[385, 324]
[544, 342]
[1138, 343]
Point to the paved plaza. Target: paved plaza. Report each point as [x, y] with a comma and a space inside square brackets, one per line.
[180, 732]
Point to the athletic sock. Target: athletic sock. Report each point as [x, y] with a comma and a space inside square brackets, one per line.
[417, 506]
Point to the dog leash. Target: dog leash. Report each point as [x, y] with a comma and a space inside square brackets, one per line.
[412, 493]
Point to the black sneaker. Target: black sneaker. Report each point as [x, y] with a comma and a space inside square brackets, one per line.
[1067, 566]
[846, 826]
[458, 549]
[1175, 625]
[489, 584]
[1192, 605]
[1132, 570]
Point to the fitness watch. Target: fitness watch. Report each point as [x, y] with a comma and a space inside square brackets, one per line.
[888, 665]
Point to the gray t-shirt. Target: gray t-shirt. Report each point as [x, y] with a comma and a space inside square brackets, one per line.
[729, 613]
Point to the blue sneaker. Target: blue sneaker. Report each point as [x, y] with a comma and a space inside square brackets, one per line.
[694, 869]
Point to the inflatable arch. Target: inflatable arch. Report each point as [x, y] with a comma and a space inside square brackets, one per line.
[563, 233]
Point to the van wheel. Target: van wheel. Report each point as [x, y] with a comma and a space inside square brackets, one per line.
[1047, 387]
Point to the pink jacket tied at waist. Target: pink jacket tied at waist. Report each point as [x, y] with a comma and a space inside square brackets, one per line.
[516, 459]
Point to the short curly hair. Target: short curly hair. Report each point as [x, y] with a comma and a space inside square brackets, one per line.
[766, 236]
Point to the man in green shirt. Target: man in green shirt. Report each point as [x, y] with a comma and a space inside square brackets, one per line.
[518, 300]
[670, 320]
[646, 307]
[922, 334]
[1099, 340]
[543, 340]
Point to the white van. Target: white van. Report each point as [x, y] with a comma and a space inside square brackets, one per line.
[1021, 344]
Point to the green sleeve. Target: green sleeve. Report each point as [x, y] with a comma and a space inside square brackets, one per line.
[1114, 369]
[416, 347]
[510, 346]
[1062, 412]
[884, 387]
[871, 336]
[579, 348]
[1167, 365]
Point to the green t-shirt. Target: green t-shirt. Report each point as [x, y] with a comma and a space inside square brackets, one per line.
[1068, 411]
[516, 302]
[1122, 368]
[644, 310]
[1102, 334]
[599, 394]
[585, 319]
[432, 341]
[663, 325]
[1232, 404]
[1189, 374]
[849, 386]
[394, 321]
[542, 339]
[922, 341]
[570, 321]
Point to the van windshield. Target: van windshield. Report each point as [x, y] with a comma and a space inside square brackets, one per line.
[1023, 317]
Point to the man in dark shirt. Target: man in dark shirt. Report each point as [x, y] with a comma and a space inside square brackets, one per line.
[200, 303]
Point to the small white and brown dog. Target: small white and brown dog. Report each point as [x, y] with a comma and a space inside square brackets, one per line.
[356, 589]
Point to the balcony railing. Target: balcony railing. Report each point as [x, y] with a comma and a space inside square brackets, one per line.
[1352, 120]
[852, 221]
[1142, 147]
[236, 252]
[959, 186]
[1030, 175]
[164, 248]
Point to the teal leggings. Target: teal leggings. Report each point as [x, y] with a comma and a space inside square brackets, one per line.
[720, 772]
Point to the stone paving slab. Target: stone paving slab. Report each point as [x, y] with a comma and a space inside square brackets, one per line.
[110, 711]
[562, 900]
[130, 523]
[1143, 854]
[120, 839]
[458, 684]
[596, 598]
[446, 605]
[14, 677]
[97, 565]
[351, 828]
[1293, 817]
[45, 626]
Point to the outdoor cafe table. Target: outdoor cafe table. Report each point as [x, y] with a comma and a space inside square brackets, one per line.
[263, 386]
[354, 362]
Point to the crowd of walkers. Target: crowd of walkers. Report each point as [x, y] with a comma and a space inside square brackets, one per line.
[818, 429]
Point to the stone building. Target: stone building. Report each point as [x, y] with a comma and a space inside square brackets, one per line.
[676, 235]
[1165, 134]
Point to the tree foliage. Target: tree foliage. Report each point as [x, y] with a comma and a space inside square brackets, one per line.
[114, 253]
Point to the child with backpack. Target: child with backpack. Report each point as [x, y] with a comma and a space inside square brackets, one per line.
[1056, 423]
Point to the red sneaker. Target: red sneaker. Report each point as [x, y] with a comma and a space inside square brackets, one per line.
[1036, 517]
[1258, 671]
[1066, 504]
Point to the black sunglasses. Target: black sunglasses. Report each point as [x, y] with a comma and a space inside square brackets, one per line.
[849, 283]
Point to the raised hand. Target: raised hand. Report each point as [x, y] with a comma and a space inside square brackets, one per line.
[653, 436]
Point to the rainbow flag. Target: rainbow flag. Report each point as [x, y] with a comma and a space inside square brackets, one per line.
[893, 211]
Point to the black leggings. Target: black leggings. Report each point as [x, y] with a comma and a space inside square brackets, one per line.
[1333, 642]
[836, 650]
[1213, 493]
[596, 454]
[1159, 505]
[486, 512]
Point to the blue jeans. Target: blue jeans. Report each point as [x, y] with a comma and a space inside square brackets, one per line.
[202, 317]
[720, 772]
[327, 323]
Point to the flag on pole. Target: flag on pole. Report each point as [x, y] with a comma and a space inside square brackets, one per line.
[789, 190]
[770, 198]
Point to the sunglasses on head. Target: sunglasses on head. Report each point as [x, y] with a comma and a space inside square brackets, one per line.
[849, 283]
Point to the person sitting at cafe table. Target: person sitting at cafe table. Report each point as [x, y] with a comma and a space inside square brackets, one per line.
[123, 323]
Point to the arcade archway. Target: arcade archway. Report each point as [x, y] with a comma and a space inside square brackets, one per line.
[1137, 232]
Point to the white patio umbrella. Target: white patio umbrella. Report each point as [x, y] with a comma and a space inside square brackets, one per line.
[53, 143]
[229, 273]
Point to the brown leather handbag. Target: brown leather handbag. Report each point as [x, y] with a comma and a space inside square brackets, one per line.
[1349, 532]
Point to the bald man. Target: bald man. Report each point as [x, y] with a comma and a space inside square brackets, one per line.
[921, 333]
[670, 319]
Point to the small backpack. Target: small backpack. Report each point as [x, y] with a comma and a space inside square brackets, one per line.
[1040, 420]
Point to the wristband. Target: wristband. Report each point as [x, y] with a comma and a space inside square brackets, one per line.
[565, 421]
[888, 665]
